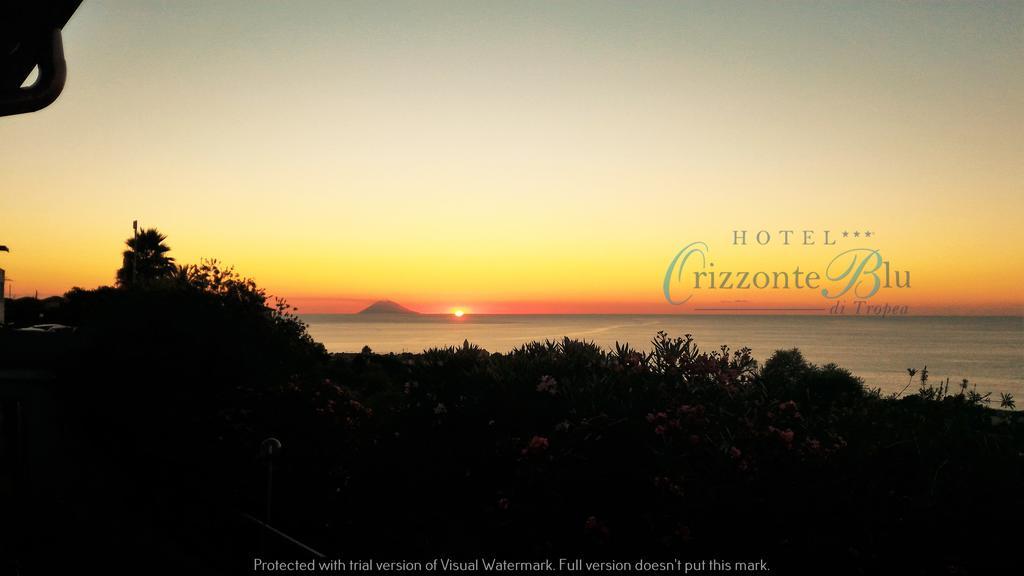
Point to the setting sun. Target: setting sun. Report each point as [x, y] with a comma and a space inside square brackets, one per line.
[459, 313]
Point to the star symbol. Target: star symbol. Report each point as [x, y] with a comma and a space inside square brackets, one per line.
[867, 234]
[856, 234]
[845, 233]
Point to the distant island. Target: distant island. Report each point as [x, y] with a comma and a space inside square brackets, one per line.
[387, 307]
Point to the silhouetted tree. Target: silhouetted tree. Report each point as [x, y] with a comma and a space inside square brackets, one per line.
[148, 252]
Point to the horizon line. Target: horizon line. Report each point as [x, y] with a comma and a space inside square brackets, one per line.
[471, 314]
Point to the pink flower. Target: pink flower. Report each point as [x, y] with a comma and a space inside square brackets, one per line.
[547, 384]
[503, 503]
[684, 533]
[660, 430]
[735, 453]
[595, 527]
[537, 445]
[787, 436]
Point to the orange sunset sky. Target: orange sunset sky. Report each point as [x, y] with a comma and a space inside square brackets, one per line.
[527, 157]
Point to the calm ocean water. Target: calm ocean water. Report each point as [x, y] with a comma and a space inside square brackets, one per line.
[987, 351]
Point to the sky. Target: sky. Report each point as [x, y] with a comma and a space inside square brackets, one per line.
[527, 156]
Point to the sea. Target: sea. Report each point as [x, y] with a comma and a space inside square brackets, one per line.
[987, 351]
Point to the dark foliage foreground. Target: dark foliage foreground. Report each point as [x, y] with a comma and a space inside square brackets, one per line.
[563, 449]
[557, 449]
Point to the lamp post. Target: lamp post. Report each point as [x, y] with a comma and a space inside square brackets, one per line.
[3, 285]
[135, 251]
[269, 450]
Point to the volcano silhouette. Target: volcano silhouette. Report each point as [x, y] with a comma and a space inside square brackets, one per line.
[387, 307]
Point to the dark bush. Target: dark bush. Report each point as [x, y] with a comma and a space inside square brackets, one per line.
[557, 448]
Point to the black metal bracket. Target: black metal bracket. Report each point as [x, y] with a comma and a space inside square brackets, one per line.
[30, 38]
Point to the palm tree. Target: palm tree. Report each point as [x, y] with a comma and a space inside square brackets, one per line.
[146, 259]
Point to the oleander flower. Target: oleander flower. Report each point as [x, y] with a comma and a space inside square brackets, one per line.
[684, 533]
[786, 436]
[537, 445]
[595, 527]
